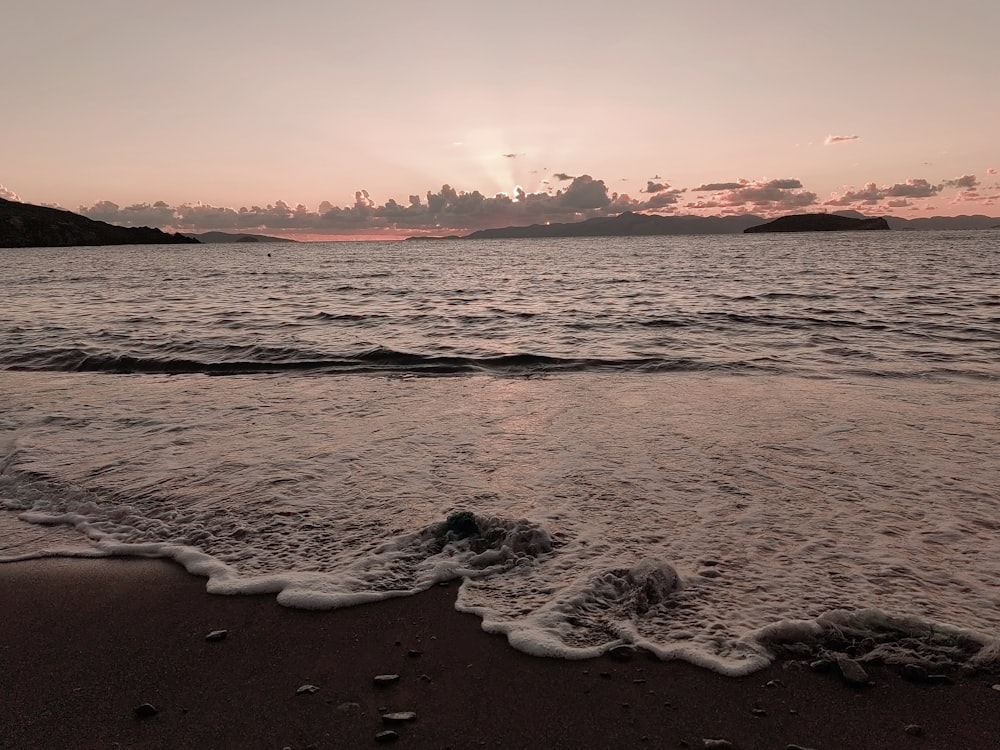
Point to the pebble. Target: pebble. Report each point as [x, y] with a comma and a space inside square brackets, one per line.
[399, 717]
[997, 687]
[758, 712]
[386, 679]
[940, 679]
[414, 653]
[306, 690]
[821, 665]
[386, 735]
[349, 706]
[914, 730]
[217, 635]
[853, 672]
[718, 745]
[145, 710]
[797, 747]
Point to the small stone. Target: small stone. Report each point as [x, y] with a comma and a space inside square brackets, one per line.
[145, 710]
[349, 707]
[914, 730]
[217, 635]
[758, 712]
[386, 679]
[386, 735]
[852, 671]
[638, 682]
[821, 665]
[773, 684]
[399, 717]
[797, 747]
[997, 687]
[414, 653]
[622, 652]
[913, 673]
[940, 679]
[306, 690]
[718, 745]
[424, 678]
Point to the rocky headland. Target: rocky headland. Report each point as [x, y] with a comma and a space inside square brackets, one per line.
[27, 225]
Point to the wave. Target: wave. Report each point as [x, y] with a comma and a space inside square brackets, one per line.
[379, 360]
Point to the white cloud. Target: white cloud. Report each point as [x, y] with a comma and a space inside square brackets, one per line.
[832, 139]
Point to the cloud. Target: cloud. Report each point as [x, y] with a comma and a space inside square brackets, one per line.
[655, 187]
[562, 176]
[585, 192]
[968, 181]
[871, 194]
[715, 186]
[137, 215]
[8, 194]
[510, 156]
[772, 196]
[832, 139]
[913, 189]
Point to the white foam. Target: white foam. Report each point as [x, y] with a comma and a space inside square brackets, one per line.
[710, 520]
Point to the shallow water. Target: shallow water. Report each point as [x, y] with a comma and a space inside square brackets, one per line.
[783, 476]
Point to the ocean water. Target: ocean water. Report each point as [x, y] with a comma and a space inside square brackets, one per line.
[717, 448]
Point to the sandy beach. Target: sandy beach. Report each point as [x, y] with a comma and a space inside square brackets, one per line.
[84, 643]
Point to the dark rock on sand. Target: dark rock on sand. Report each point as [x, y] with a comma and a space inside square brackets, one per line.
[853, 672]
[145, 710]
[306, 690]
[718, 745]
[386, 735]
[217, 635]
[382, 680]
[914, 730]
[623, 652]
[821, 665]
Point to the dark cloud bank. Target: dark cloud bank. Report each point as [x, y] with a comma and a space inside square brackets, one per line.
[452, 211]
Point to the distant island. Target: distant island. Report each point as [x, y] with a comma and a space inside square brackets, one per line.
[27, 225]
[221, 237]
[627, 224]
[819, 223]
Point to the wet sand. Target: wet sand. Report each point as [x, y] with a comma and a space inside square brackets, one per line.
[83, 643]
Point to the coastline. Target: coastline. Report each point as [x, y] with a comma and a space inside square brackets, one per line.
[83, 642]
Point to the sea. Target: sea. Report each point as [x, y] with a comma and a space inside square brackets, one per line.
[721, 449]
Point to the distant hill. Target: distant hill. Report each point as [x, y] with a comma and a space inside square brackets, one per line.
[219, 237]
[975, 221]
[818, 223]
[27, 225]
[627, 224]
[630, 224]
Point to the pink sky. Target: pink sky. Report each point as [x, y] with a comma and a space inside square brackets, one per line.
[315, 119]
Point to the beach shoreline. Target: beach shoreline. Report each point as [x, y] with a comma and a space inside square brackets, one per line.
[84, 642]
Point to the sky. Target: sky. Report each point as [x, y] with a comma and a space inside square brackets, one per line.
[316, 118]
